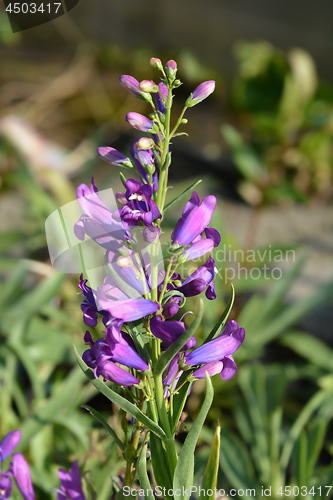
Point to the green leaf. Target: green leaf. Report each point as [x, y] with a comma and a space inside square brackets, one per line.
[235, 461]
[316, 439]
[210, 477]
[179, 403]
[167, 356]
[304, 416]
[300, 457]
[310, 347]
[142, 473]
[223, 319]
[160, 464]
[185, 466]
[119, 400]
[181, 195]
[106, 426]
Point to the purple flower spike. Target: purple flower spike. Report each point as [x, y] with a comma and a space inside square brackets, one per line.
[195, 218]
[21, 473]
[139, 122]
[132, 85]
[200, 93]
[9, 443]
[114, 157]
[70, 484]
[5, 488]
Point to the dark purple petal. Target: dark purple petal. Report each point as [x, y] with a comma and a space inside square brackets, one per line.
[195, 220]
[171, 307]
[211, 368]
[214, 235]
[230, 327]
[114, 373]
[9, 443]
[193, 287]
[199, 249]
[21, 473]
[229, 368]
[5, 488]
[216, 349]
[169, 332]
[160, 102]
[123, 352]
[210, 292]
[70, 484]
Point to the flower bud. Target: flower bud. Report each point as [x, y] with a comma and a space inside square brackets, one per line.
[139, 122]
[200, 93]
[184, 120]
[156, 63]
[145, 143]
[132, 85]
[148, 86]
[171, 69]
[114, 157]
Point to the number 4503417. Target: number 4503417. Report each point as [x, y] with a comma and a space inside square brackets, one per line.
[32, 8]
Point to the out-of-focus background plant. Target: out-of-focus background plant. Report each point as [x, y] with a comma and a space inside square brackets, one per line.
[263, 144]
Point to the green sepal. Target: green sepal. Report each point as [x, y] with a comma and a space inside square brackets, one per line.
[119, 400]
[122, 178]
[223, 319]
[183, 478]
[209, 480]
[106, 426]
[181, 195]
[167, 356]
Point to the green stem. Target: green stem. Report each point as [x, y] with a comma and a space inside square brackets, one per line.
[164, 172]
[178, 122]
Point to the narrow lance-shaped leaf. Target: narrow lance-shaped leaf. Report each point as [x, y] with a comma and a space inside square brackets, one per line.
[181, 195]
[179, 403]
[183, 478]
[106, 426]
[223, 319]
[210, 476]
[119, 400]
[167, 356]
[142, 473]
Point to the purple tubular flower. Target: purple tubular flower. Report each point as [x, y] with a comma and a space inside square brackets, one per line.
[215, 350]
[198, 249]
[142, 172]
[139, 122]
[121, 307]
[172, 65]
[169, 332]
[21, 473]
[97, 220]
[227, 368]
[114, 157]
[200, 93]
[200, 279]
[88, 306]
[161, 101]
[171, 307]
[9, 443]
[139, 206]
[70, 484]
[172, 376]
[122, 349]
[132, 85]
[5, 487]
[195, 218]
[112, 372]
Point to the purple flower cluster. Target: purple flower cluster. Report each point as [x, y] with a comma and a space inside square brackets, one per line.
[18, 469]
[135, 288]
